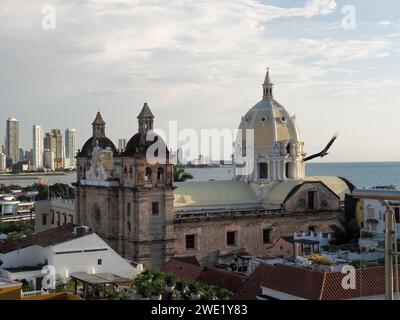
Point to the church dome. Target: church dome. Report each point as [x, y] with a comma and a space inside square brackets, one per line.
[141, 141]
[270, 120]
[103, 143]
[98, 139]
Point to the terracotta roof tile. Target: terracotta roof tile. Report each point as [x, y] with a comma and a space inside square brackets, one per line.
[312, 285]
[229, 280]
[221, 278]
[252, 286]
[182, 269]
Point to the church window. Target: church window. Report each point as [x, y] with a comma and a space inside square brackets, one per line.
[311, 200]
[160, 174]
[267, 236]
[44, 219]
[148, 175]
[231, 238]
[263, 170]
[190, 241]
[65, 218]
[154, 208]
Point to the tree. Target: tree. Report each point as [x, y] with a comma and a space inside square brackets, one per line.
[181, 175]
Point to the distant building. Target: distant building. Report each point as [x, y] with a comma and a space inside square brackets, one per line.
[12, 140]
[122, 144]
[371, 217]
[48, 159]
[3, 162]
[70, 147]
[54, 142]
[53, 213]
[38, 147]
[68, 249]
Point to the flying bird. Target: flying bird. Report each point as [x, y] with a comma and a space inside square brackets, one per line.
[324, 152]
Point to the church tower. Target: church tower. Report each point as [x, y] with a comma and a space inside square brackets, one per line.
[276, 148]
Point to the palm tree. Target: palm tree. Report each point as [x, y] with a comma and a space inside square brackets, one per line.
[181, 175]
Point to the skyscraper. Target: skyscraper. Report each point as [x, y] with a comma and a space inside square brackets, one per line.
[54, 143]
[122, 144]
[12, 139]
[38, 148]
[70, 145]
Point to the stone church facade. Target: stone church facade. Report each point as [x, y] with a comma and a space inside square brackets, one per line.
[132, 202]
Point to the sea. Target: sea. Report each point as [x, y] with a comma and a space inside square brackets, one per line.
[361, 174]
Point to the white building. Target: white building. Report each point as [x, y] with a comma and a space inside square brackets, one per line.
[38, 147]
[70, 147]
[68, 249]
[373, 222]
[3, 164]
[122, 144]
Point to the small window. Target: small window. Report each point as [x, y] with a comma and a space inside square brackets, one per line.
[190, 241]
[99, 262]
[231, 238]
[397, 214]
[58, 219]
[129, 226]
[44, 219]
[263, 170]
[52, 216]
[65, 218]
[311, 200]
[154, 208]
[267, 236]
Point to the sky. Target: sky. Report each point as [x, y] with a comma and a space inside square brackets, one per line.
[335, 64]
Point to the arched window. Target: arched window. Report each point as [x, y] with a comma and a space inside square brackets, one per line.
[160, 174]
[147, 176]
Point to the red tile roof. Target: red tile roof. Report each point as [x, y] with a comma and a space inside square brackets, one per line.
[252, 286]
[45, 238]
[189, 259]
[229, 280]
[182, 269]
[312, 285]
[221, 278]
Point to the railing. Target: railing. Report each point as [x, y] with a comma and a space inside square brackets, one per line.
[34, 293]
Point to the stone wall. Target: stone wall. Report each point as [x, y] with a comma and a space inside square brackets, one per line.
[211, 234]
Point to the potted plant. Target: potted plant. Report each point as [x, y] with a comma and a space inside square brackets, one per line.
[158, 289]
[181, 286]
[145, 291]
[170, 281]
[223, 294]
[195, 289]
